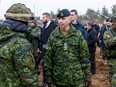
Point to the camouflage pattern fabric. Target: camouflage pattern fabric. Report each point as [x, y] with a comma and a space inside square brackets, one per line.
[66, 59]
[110, 52]
[110, 42]
[19, 12]
[113, 17]
[112, 64]
[36, 34]
[16, 61]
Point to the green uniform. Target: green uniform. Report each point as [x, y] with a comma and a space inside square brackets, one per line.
[36, 34]
[16, 60]
[110, 52]
[66, 59]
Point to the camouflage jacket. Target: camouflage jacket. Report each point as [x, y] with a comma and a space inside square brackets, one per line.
[110, 43]
[36, 34]
[35, 31]
[66, 59]
[16, 60]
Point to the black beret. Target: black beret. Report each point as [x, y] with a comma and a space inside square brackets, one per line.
[63, 13]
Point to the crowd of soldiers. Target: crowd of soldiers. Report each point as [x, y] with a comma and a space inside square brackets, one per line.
[65, 46]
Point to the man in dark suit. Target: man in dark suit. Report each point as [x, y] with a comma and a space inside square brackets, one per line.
[76, 23]
[91, 41]
[48, 27]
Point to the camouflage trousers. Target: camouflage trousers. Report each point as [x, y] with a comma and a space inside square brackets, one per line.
[66, 86]
[71, 86]
[79, 85]
[112, 64]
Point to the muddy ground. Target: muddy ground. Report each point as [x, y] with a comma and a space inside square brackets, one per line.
[100, 79]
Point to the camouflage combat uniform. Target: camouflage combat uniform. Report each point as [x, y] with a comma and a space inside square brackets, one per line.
[66, 59]
[110, 53]
[16, 58]
[36, 34]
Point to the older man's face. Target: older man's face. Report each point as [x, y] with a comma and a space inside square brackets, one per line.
[64, 22]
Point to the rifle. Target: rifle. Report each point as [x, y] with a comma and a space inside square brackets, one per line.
[99, 14]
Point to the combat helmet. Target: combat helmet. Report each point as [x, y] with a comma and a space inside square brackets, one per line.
[19, 12]
[113, 17]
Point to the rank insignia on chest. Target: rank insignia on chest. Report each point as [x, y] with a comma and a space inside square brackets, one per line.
[65, 46]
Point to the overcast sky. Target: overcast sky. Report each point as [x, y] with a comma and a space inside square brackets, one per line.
[40, 6]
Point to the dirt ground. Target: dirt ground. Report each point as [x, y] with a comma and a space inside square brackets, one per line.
[100, 79]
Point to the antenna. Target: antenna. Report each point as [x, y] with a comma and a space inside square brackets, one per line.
[98, 13]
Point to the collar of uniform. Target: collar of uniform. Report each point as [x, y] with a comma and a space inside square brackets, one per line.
[72, 31]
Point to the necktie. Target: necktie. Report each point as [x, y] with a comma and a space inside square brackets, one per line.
[45, 26]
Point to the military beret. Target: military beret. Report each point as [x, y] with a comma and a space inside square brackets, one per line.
[63, 13]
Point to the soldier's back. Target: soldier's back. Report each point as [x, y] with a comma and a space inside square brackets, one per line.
[16, 60]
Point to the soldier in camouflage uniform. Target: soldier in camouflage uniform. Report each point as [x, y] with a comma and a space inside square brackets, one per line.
[66, 60]
[16, 58]
[35, 27]
[110, 50]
